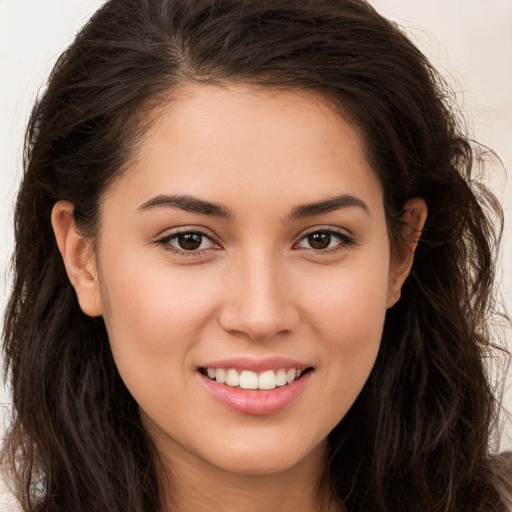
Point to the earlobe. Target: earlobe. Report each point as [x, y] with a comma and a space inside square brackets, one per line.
[78, 257]
[414, 218]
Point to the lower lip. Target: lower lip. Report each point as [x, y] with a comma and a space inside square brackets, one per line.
[256, 402]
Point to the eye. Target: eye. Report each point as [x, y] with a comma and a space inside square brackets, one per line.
[325, 240]
[187, 242]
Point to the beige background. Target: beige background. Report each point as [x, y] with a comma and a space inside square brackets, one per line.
[470, 41]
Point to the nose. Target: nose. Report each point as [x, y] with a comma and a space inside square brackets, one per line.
[258, 299]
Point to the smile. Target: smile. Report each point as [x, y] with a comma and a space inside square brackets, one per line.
[256, 400]
[247, 379]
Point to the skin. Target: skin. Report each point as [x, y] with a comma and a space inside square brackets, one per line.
[255, 288]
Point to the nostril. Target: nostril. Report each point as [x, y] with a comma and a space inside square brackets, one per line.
[258, 324]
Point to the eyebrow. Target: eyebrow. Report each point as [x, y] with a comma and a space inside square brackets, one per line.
[193, 204]
[329, 205]
[188, 204]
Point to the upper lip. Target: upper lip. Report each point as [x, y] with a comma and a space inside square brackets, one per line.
[257, 365]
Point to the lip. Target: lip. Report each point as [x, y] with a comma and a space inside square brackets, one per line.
[255, 402]
[257, 365]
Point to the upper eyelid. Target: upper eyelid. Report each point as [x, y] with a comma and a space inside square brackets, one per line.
[165, 240]
[346, 239]
[329, 229]
[174, 232]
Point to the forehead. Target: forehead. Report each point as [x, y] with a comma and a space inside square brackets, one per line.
[235, 143]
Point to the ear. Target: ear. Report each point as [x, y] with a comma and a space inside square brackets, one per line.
[414, 217]
[79, 258]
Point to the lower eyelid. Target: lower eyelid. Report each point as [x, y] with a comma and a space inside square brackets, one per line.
[165, 242]
[344, 238]
[204, 240]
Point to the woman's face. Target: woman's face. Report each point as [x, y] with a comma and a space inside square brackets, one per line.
[247, 241]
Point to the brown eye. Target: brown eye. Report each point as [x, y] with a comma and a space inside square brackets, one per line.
[325, 240]
[319, 240]
[189, 241]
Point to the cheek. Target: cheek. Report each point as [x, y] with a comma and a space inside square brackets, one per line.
[154, 319]
[349, 321]
[353, 322]
[144, 300]
[350, 305]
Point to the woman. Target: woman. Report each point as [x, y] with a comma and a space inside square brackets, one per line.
[250, 272]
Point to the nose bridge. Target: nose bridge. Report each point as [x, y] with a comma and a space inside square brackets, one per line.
[258, 302]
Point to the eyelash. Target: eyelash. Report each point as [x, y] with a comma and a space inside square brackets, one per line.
[165, 243]
[345, 241]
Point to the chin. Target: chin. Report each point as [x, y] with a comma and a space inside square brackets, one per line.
[260, 459]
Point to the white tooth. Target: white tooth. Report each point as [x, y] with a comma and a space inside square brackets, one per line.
[267, 380]
[298, 373]
[211, 373]
[281, 377]
[220, 375]
[290, 375]
[248, 380]
[232, 378]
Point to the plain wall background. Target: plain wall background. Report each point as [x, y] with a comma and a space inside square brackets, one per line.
[470, 41]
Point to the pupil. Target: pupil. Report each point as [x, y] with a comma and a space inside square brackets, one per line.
[190, 241]
[319, 240]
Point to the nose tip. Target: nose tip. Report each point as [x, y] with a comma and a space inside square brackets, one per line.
[255, 325]
[259, 307]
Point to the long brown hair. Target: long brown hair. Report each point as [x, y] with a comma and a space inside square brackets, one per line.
[417, 437]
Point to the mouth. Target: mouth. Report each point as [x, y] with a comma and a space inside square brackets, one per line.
[256, 387]
[250, 380]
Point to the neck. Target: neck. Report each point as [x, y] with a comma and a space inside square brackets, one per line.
[194, 485]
